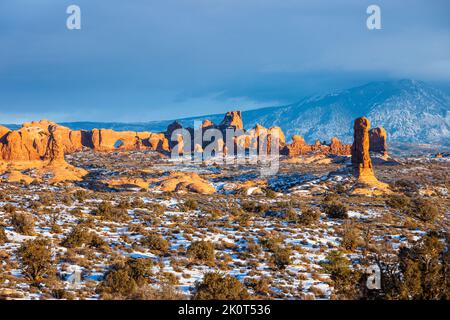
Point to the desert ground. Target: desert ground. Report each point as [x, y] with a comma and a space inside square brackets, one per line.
[123, 232]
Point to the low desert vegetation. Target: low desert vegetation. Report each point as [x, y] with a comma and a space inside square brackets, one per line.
[23, 223]
[201, 251]
[216, 286]
[301, 234]
[37, 260]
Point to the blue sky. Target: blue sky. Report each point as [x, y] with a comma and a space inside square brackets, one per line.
[145, 60]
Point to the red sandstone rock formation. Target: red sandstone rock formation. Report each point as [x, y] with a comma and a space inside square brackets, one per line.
[3, 132]
[38, 145]
[260, 138]
[232, 119]
[362, 164]
[190, 181]
[207, 124]
[378, 141]
[45, 140]
[338, 148]
[300, 147]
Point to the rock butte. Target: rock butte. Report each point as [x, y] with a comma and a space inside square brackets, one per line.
[361, 162]
[42, 145]
[378, 141]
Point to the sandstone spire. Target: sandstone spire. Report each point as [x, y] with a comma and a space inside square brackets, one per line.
[361, 162]
[378, 143]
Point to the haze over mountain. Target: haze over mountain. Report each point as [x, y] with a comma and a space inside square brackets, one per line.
[411, 111]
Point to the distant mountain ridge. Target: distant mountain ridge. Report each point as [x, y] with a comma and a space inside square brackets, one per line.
[410, 111]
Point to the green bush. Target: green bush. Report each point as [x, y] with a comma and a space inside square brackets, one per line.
[155, 242]
[423, 210]
[255, 207]
[80, 236]
[260, 286]
[350, 236]
[118, 282]
[398, 201]
[189, 205]
[336, 210]
[291, 215]
[23, 223]
[124, 278]
[3, 237]
[124, 204]
[77, 237]
[309, 217]
[201, 250]
[271, 243]
[406, 186]
[345, 281]
[36, 258]
[80, 195]
[107, 211]
[218, 287]
[9, 208]
[281, 257]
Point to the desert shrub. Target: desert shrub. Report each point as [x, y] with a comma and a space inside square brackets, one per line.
[260, 286]
[117, 283]
[189, 205]
[405, 186]
[271, 243]
[218, 287]
[201, 250]
[77, 237]
[253, 247]
[60, 294]
[339, 189]
[398, 201]
[80, 236]
[309, 216]
[123, 204]
[336, 210]
[66, 199]
[350, 236]
[9, 208]
[281, 257]
[423, 210]
[23, 223]
[291, 215]
[107, 211]
[80, 195]
[158, 209]
[163, 292]
[98, 242]
[36, 258]
[155, 242]
[419, 272]
[138, 203]
[3, 237]
[46, 199]
[270, 194]
[139, 270]
[124, 278]
[418, 208]
[255, 207]
[345, 280]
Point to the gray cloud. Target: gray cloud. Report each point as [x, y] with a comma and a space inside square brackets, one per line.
[144, 60]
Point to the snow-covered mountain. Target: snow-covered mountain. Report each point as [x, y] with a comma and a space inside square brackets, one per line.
[410, 111]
